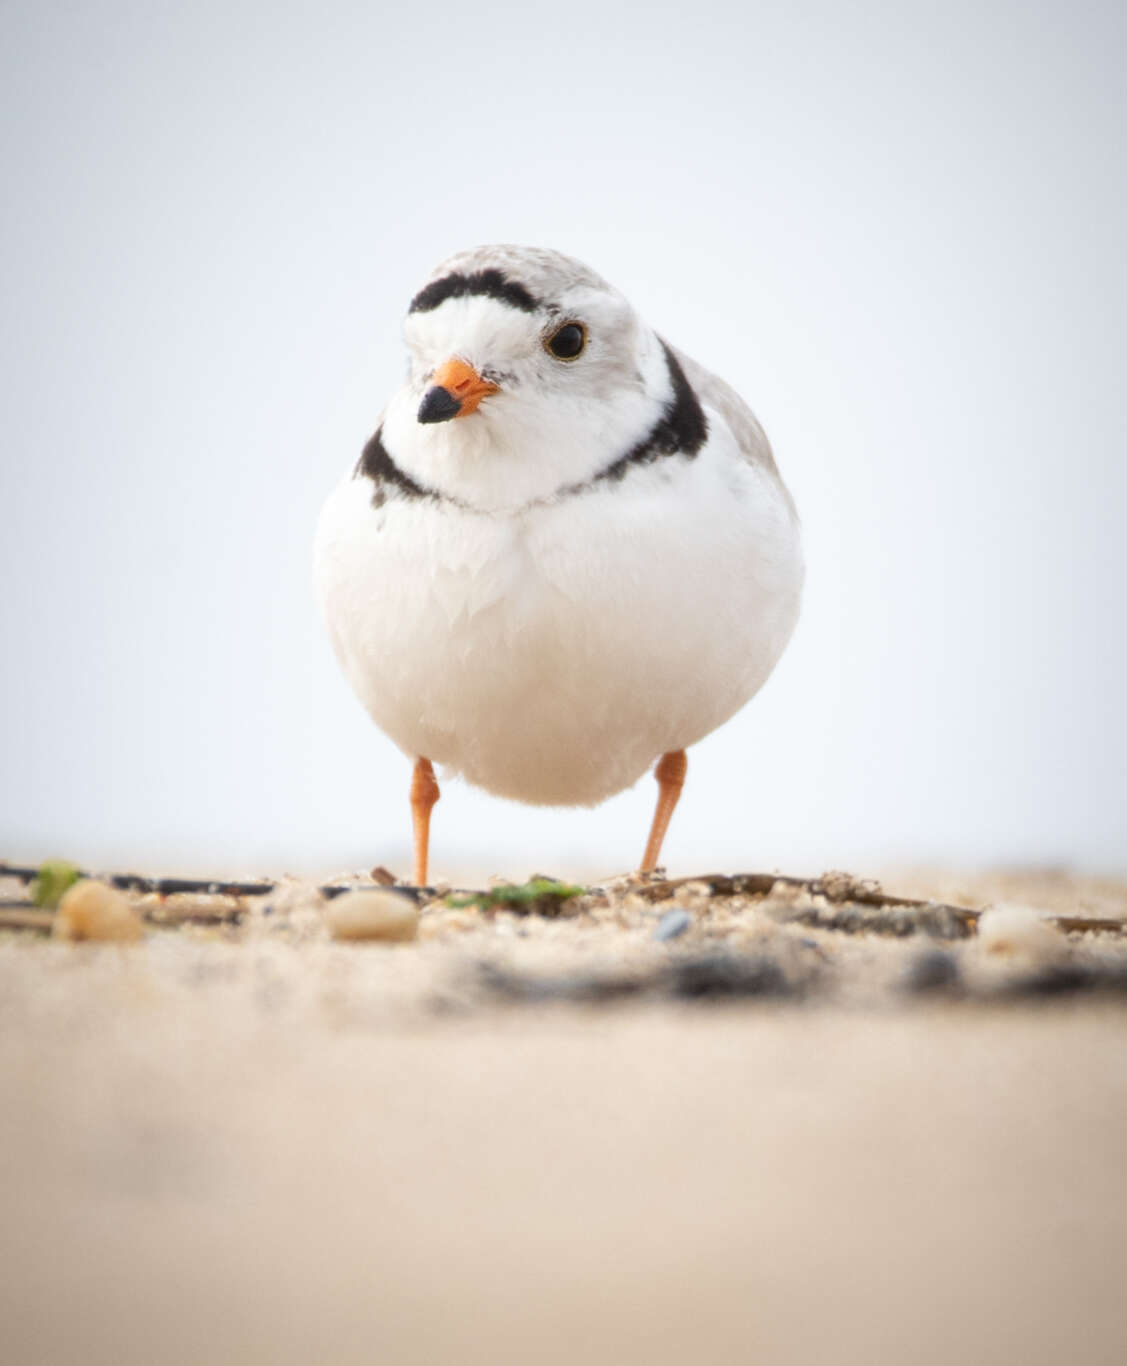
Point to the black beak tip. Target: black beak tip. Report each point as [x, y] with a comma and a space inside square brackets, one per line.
[438, 405]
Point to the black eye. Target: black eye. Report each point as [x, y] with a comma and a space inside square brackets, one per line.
[568, 342]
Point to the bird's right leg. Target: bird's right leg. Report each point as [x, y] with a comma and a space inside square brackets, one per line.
[424, 794]
[670, 774]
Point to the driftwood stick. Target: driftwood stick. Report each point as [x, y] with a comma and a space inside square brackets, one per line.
[834, 888]
[844, 891]
[19, 916]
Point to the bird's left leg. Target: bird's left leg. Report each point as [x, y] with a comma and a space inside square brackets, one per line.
[670, 775]
[424, 794]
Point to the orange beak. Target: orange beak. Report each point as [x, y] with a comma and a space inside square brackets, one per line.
[457, 390]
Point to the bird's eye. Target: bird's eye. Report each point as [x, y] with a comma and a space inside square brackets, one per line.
[568, 341]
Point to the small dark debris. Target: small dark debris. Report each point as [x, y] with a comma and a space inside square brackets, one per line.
[932, 971]
[581, 987]
[841, 887]
[174, 886]
[1068, 979]
[672, 924]
[936, 921]
[331, 890]
[719, 976]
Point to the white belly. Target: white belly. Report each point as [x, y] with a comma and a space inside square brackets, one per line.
[552, 655]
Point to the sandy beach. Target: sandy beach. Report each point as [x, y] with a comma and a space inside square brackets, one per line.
[526, 1139]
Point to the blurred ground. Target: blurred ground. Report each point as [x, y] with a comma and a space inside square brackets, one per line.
[522, 1139]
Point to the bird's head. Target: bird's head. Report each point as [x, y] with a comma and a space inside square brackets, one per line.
[528, 374]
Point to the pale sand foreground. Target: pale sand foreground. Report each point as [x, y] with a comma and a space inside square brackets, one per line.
[258, 1145]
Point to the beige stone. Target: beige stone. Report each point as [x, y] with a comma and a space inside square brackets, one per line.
[1021, 932]
[92, 910]
[375, 914]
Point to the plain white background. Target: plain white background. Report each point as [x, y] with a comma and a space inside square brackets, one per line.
[897, 229]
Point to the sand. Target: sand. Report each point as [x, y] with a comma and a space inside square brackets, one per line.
[254, 1144]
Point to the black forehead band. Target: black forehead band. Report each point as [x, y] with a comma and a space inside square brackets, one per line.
[490, 283]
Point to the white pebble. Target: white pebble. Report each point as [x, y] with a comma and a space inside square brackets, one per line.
[1021, 932]
[375, 914]
[91, 910]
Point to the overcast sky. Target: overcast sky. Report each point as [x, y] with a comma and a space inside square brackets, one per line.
[897, 229]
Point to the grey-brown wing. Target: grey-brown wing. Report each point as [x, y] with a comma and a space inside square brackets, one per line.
[742, 422]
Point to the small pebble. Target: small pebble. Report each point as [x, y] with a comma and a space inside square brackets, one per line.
[373, 914]
[1020, 932]
[672, 923]
[932, 970]
[91, 910]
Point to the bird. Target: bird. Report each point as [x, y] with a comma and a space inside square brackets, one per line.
[564, 556]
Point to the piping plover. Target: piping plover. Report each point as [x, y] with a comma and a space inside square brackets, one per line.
[565, 553]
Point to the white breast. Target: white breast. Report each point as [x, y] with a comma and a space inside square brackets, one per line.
[551, 655]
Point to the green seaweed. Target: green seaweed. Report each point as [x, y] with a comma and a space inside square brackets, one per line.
[55, 876]
[540, 895]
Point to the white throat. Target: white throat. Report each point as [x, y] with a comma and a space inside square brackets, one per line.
[532, 439]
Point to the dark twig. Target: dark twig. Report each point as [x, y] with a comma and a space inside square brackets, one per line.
[161, 886]
[176, 886]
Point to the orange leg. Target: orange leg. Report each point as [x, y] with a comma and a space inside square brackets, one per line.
[670, 775]
[424, 794]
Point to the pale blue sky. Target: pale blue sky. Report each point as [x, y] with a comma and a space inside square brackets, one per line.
[897, 229]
